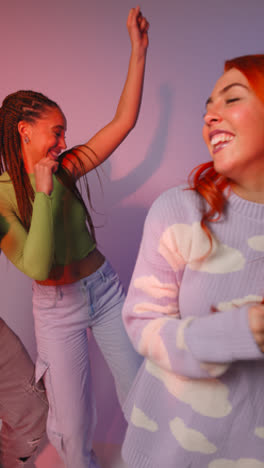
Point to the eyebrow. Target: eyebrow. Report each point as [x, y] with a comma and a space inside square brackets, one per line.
[61, 127]
[225, 89]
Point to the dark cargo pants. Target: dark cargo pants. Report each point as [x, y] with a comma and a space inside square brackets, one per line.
[23, 405]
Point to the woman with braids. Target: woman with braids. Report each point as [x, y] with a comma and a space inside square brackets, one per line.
[43, 221]
[194, 308]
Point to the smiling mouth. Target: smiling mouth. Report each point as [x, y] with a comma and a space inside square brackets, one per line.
[220, 141]
[54, 154]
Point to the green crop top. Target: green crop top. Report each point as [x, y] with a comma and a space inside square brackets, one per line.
[58, 233]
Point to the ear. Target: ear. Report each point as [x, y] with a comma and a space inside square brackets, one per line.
[24, 129]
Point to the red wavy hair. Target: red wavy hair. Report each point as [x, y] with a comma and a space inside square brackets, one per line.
[203, 178]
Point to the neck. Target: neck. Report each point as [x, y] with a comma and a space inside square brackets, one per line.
[29, 167]
[254, 193]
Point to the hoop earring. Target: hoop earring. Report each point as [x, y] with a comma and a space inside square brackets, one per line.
[26, 139]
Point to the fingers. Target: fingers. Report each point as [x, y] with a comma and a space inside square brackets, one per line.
[136, 19]
[52, 163]
[256, 324]
[43, 171]
[48, 163]
[142, 23]
[133, 13]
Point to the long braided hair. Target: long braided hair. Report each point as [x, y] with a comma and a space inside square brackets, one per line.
[28, 106]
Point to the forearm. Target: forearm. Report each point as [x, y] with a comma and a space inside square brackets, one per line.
[129, 104]
[130, 100]
[39, 248]
[31, 252]
[223, 337]
[97, 149]
[104, 142]
[194, 347]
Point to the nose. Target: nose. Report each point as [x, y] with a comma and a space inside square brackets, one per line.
[62, 142]
[212, 116]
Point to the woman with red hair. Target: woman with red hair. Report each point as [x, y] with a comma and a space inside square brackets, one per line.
[194, 308]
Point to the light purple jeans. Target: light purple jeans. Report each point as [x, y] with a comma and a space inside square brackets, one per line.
[23, 404]
[62, 315]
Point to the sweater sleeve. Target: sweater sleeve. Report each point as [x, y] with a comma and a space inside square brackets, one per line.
[196, 347]
[31, 252]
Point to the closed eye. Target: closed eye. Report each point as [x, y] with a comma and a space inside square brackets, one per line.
[59, 135]
[229, 101]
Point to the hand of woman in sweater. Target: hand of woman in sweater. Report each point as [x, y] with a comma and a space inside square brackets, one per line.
[43, 171]
[256, 324]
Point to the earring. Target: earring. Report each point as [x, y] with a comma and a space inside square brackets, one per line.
[26, 139]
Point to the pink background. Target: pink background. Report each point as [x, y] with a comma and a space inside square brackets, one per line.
[76, 52]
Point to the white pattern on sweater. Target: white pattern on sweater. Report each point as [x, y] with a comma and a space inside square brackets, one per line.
[201, 385]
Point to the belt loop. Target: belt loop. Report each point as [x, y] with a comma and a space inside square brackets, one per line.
[103, 277]
[59, 293]
[83, 283]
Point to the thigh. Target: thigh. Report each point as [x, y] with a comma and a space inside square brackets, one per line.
[107, 299]
[23, 404]
[61, 322]
[67, 377]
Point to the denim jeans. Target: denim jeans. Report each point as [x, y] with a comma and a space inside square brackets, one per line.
[62, 316]
[23, 404]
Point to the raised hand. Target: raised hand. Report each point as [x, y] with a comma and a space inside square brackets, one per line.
[138, 26]
[43, 171]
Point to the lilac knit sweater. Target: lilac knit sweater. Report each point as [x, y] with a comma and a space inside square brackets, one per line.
[198, 399]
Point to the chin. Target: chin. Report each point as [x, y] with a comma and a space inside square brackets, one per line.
[223, 170]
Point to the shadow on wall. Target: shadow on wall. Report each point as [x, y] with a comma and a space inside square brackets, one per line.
[122, 241]
[121, 244]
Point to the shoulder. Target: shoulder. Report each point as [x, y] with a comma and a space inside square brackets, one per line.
[177, 204]
[4, 177]
[7, 192]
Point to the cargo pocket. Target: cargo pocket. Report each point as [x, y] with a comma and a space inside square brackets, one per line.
[41, 368]
[42, 373]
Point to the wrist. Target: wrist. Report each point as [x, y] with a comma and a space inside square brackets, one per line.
[138, 51]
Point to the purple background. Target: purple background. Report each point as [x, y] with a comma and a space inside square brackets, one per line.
[77, 52]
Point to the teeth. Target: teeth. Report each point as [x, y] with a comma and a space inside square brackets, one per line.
[220, 138]
[55, 155]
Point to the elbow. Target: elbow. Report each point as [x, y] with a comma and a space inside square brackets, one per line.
[40, 276]
[214, 369]
[131, 123]
[125, 123]
[36, 273]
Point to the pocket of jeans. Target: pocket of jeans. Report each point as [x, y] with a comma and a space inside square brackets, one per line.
[108, 292]
[44, 297]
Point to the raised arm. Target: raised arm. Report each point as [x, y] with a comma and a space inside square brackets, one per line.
[104, 142]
